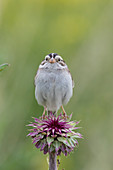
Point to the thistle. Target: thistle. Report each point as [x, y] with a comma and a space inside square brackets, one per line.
[55, 134]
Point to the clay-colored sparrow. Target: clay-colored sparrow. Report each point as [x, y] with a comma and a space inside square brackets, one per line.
[53, 83]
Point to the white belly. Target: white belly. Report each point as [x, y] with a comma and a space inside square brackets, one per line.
[52, 90]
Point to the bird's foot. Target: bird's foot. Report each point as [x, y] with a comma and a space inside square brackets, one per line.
[65, 116]
[43, 117]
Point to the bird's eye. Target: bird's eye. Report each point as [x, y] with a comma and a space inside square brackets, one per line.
[47, 58]
[58, 59]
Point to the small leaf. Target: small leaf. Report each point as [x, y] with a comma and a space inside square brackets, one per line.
[56, 144]
[69, 134]
[43, 133]
[45, 149]
[63, 140]
[52, 148]
[74, 141]
[49, 140]
[70, 117]
[70, 142]
[3, 66]
[78, 135]
[38, 144]
[72, 123]
[44, 144]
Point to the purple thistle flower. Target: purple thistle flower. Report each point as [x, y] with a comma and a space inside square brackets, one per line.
[55, 134]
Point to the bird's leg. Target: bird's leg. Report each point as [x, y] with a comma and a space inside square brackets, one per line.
[64, 113]
[43, 115]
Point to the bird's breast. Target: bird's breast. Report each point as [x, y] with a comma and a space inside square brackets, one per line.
[54, 88]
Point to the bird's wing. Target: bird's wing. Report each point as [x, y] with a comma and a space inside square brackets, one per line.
[42, 63]
[71, 77]
[36, 77]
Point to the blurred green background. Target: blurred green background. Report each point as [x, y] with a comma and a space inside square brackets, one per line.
[81, 31]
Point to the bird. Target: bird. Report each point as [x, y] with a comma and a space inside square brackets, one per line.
[53, 84]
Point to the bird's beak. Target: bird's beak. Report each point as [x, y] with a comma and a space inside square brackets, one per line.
[52, 60]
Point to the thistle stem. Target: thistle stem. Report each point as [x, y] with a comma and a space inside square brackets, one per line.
[53, 161]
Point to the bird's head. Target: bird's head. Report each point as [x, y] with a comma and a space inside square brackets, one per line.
[54, 58]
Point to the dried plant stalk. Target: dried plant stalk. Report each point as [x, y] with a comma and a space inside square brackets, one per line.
[53, 161]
